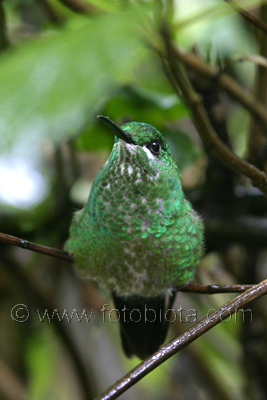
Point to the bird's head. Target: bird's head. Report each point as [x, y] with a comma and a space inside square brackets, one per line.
[141, 145]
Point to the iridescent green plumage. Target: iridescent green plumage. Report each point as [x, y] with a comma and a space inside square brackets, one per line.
[137, 234]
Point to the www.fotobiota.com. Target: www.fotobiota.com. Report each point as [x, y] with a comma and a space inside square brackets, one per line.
[21, 313]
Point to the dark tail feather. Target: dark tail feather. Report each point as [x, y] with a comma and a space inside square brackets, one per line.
[143, 323]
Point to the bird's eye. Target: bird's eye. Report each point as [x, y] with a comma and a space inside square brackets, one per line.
[154, 147]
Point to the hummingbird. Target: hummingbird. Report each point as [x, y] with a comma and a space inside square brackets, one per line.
[138, 236]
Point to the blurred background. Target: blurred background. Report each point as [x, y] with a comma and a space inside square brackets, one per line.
[61, 64]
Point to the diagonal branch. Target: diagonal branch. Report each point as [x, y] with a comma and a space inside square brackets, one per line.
[173, 347]
[224, 81]
[248, 16]
[180, 82]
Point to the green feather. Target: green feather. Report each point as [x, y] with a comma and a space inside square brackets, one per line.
[137, 234]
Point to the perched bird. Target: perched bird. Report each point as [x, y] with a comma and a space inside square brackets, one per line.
[137, 235]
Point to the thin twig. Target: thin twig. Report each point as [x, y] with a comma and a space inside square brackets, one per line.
[64, 255]
[231, 87]
[180, 82]
[254, 58]
[25, 244]
[182, 341]
[213, 289]
[248, 17]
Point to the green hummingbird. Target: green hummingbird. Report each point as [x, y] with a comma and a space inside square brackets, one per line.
[137, 235]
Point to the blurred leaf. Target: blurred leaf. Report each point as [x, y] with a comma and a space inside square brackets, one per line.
[132, 103]
[51, 86]
[95, 137]
[141, 105]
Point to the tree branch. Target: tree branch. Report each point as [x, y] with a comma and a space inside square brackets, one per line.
[180, 82]
[224, 81]
[248, 17]
[257, 144]
[25, 244]
[64, 255]
[212, 289]
[182, 341]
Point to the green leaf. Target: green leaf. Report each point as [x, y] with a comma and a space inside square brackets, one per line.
[132, 103]
[52, 86]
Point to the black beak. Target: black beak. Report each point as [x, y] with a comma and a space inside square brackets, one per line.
[115, 129]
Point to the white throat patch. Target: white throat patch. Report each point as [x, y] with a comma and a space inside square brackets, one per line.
[149, 154]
